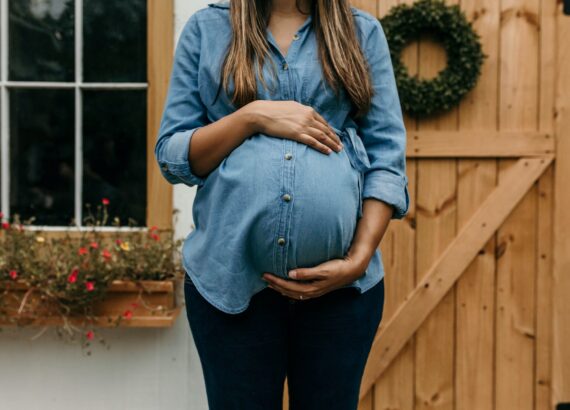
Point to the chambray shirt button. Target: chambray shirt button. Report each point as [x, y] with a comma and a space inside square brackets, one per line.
[286, 197]
[281, 241]
[164, 167]
[288, 155]
[296, 37]
[285, 66]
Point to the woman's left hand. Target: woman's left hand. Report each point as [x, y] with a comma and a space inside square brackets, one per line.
[318, 280]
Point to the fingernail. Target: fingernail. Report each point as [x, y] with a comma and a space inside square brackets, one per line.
[293, 274]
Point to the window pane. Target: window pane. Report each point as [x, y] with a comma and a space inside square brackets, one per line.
[115, 41]
[41, 36]
[114, 153]
[41, 155]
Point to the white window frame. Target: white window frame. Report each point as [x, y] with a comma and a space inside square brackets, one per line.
[78, 86]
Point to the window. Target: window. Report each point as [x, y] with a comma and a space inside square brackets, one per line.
[82, 83]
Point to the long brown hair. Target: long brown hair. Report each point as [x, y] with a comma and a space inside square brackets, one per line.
[342, 59]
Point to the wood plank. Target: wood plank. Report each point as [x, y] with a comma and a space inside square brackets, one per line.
[478, 142]
[367, 402]
[474, 349]
[561, 269]
[160, 40]
[544, 279]
[516, 239]
[165, 320]
[544, 289]
[394, 390]
[516, 182]
[436, 224]
[147, 286]
[436, 228]
[515, 306]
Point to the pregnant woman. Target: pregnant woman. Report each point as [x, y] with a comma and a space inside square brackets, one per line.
[285, 116]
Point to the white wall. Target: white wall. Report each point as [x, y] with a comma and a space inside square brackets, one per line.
[144, 369]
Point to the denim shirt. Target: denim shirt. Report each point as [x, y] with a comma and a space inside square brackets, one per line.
[275, 204]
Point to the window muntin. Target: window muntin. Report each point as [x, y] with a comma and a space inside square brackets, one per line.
[37, 38]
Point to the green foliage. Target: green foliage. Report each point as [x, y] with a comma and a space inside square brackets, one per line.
[448, 24]
[72, 270]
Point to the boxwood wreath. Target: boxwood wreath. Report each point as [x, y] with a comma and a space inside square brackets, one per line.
[405, 23]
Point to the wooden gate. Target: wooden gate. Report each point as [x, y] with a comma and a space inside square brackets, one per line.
[476, 282]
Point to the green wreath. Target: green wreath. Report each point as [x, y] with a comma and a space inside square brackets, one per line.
[448, 24]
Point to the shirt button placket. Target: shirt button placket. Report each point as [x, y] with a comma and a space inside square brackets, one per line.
[285, 210]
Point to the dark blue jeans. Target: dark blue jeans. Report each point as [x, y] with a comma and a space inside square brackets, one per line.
[321, 345]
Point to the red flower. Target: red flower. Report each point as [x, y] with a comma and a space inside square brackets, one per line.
[5, 225]
[105, 201]
[106, 254]
[155, 237]
[134, 305]
[83, 251]
[72, 278]
[13, 274]
[153, 228]
[128, 314]
[118, 241]
[90, 335]
[94, 245]
[90, 286]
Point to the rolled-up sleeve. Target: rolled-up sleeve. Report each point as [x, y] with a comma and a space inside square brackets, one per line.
[184, 111]
[382, 129]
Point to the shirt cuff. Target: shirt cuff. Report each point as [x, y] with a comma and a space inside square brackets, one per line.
[389, 188]
[173, 160]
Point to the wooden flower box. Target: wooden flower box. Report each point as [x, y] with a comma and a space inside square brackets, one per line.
[115, 309]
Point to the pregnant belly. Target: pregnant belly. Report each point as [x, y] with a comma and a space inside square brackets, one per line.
[326, 208]
[248, 187]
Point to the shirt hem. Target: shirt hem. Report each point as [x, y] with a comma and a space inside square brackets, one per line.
[219, 306]
[242, 308]
[363, 289]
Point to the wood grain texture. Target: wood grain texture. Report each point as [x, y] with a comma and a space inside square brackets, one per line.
[545, 212]
[394, 389]
[478, 143]
[497, 339]
[475, 297]
[436, 228]
[561, 285]
[516, 239]
[160, 40]
[452, 262]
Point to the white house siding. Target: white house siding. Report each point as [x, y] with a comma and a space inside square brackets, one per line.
[144, 369]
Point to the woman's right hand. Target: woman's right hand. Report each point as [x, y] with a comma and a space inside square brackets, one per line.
[297, 122]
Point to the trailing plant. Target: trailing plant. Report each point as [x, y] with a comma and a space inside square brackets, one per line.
[73, 269]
